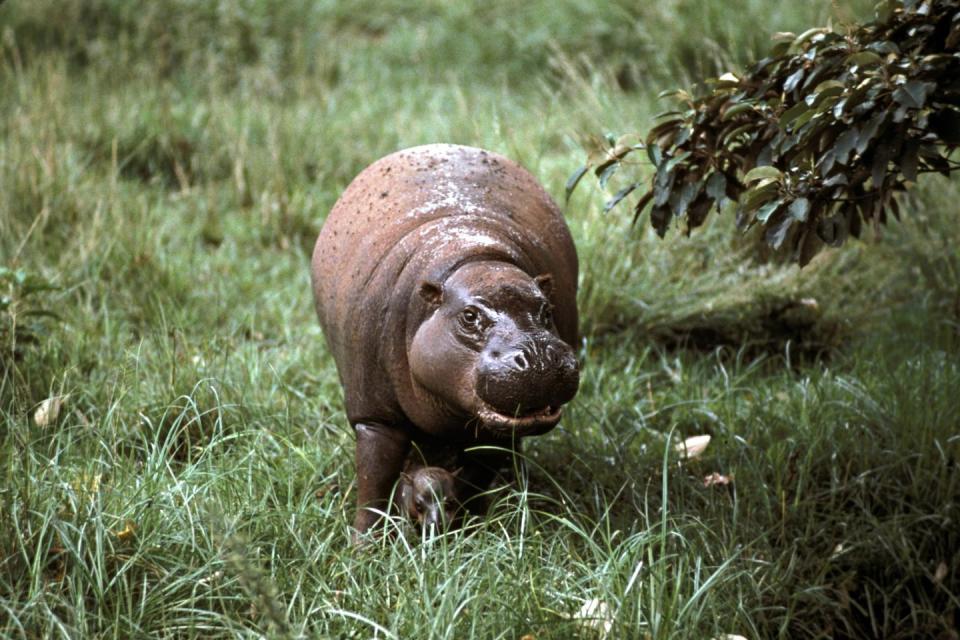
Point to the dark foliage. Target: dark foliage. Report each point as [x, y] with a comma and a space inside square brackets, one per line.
[813, 141]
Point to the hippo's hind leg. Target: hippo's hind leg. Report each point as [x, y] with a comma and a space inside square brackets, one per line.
[381, 452]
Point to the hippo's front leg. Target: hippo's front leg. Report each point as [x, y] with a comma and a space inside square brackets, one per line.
[381, 452]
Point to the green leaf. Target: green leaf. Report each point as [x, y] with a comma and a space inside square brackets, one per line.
[799, 209]
[884, 47]
[845, 144]
[836, 179]
[717, 187]
[754, 198]
[764, 212]
[913, 94]
[697, 213]
[731, 136]
[732, 112]
[672, 114]
[619, 195]
[793, 113]
[803, 118]
[761, 173]
[680, 94]
[660, 219]
[838, 108]
[870, 130]
[783, 36]
[809, 33]
[863, 59]
[832, 86]
[574, 180]
[663, 184]
[687, 193]
[606, 172]
[655, 153]
[641, 204]
[793, 80]
[778, 229]
[677, 159]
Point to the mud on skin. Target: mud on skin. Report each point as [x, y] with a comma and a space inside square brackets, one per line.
[445, 282]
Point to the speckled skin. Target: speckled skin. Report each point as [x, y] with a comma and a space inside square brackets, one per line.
[418, 216]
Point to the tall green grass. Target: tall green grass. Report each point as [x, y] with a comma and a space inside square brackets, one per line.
[167, 167]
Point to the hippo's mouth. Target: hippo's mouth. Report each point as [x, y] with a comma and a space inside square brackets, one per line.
[521, 423]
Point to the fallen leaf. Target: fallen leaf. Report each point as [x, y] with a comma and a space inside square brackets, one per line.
[87, 484]
[595, 614]
[49, 410]
[82, 417]
[940, 573]
[717, 480]
[212, 578]
[127, 532]
[692, 447]
[528, 636]
[322, 492]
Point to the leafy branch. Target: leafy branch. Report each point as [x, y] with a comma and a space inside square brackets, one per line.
[815, 139]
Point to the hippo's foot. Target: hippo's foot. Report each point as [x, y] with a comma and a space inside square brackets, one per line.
[381, 452]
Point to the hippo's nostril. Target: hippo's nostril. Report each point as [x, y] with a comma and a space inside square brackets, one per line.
[520, 360]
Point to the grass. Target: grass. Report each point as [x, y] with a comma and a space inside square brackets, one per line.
[167, 168]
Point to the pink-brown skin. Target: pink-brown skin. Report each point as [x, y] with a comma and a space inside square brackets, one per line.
[445, 282]
[429, 497]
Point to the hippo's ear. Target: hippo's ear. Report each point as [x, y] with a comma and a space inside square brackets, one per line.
[431, 292]
[545, 282]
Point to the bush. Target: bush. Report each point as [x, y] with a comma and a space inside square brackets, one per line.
[813, 141]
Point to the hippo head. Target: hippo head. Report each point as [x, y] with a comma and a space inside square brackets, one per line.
[490, 350]
[428, 496]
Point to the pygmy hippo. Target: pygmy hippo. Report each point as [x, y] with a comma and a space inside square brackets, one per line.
[429, 497]
[445, 282]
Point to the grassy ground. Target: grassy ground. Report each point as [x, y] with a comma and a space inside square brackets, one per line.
[167, 167]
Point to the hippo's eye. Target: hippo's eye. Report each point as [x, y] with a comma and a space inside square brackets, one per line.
[470, 318]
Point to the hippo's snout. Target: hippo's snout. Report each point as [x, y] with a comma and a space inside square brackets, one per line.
[519, 378]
